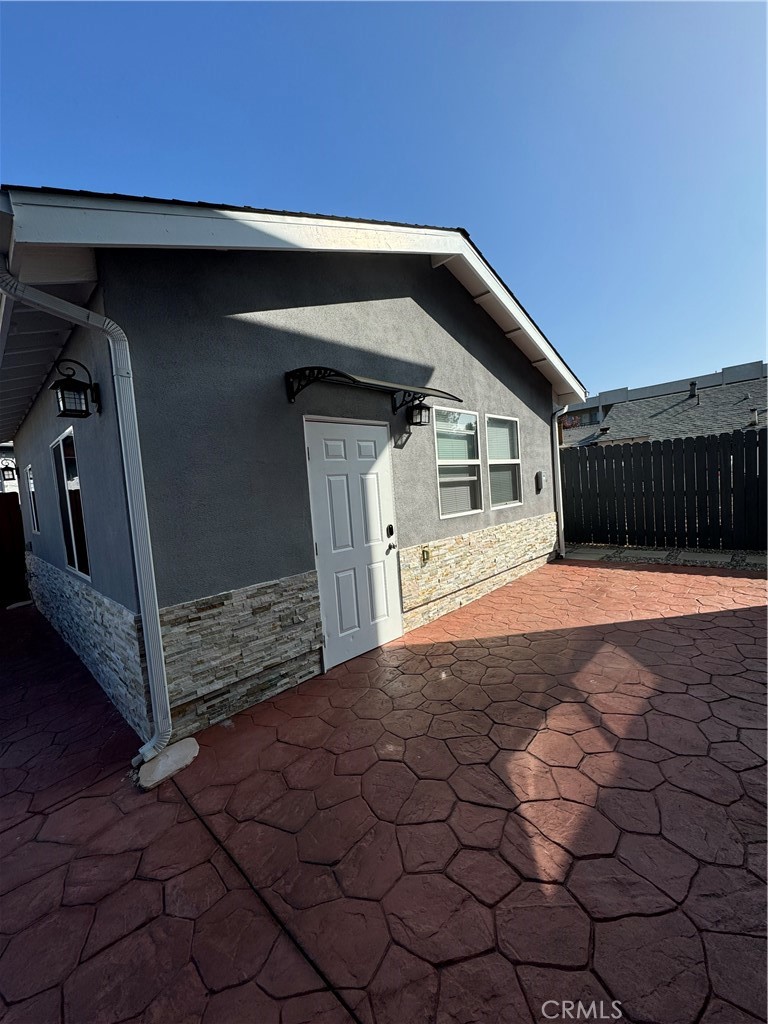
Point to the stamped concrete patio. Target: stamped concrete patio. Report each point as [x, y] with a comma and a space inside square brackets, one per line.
[556, 793]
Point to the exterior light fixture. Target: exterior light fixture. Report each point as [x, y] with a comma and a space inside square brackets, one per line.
[73, 394]
[419, 414]
[9, 469]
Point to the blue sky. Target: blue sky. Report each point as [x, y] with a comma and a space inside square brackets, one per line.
[608, 159]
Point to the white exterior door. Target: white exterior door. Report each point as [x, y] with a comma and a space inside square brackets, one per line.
[350, 486]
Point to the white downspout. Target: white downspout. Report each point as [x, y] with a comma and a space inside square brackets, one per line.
[558, 481]
[134, 486]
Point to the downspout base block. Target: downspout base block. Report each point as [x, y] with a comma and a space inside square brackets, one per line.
[168, 762]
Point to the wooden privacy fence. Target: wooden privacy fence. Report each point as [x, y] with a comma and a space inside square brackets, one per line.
[697, 492]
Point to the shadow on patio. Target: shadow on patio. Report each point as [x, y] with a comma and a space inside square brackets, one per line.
[549, 772]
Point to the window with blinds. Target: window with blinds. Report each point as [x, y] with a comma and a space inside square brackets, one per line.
[503, 446]
[458, 462]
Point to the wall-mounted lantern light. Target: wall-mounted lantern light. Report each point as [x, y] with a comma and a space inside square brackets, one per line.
[9, 469]
[72, 395]
[419, 414]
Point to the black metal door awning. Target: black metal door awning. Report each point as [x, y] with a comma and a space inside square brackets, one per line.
[402, 394]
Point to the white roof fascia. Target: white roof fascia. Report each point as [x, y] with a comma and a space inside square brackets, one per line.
[543, 349]
[47, 219]
[51, 220]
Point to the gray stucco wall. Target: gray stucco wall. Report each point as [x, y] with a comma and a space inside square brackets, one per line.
[211, 337]
[100, 467]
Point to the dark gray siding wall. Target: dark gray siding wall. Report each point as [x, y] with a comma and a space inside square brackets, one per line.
[212, 335]
[100, 467]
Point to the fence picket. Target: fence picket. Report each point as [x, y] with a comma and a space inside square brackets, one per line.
[737, 476]
[702, 519]
[584, 484]
[566, 483]
[629, 494]
[726, 491]
[594, 505]
[611, 521]
[668, 490]
[713, 492]
[657, 493]
[678, 494]
[621, 505]
[601, 500]
[578, 515]
[751, 496]
[645, 462]
[689, 456]
[637, 473]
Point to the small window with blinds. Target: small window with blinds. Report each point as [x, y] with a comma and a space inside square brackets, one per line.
[458, 463]
[503, 445]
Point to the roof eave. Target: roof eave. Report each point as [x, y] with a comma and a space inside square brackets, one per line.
[53, 219]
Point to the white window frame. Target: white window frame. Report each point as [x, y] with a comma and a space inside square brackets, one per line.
[53, 446]
[504, 462]
[33, 513]
[439, 463]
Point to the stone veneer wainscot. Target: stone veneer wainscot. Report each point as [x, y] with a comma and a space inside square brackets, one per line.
[462, 568]
[226, 652]
[104, 634]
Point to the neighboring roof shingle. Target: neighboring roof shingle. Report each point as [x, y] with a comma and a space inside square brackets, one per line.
[581, 434]
[715, 410]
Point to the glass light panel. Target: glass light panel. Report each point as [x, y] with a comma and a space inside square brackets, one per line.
[503, 441]
[73, 401]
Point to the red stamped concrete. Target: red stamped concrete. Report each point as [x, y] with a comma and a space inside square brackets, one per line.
[118, 906]
[555, 793]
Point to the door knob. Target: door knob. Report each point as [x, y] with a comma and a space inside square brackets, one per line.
[391, 547]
